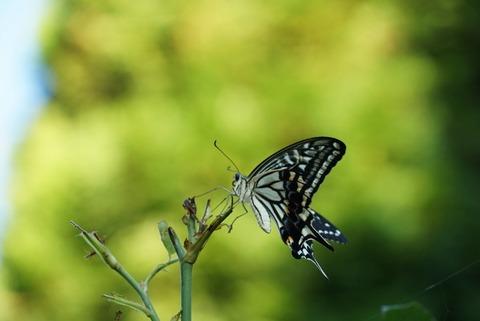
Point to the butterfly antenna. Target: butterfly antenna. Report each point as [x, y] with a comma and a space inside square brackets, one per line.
[223, 153]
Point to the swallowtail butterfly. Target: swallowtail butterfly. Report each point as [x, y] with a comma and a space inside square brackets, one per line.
[282, 187]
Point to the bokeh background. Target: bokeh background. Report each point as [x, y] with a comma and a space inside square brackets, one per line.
[141, 89]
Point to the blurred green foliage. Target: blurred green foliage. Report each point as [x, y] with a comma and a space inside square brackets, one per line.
[143, 88]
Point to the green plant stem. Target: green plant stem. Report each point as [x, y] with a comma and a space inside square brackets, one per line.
[148, 303]
[187, 261]
[185, 277]
[159, 268]
[186, 269]
[186, 290]
[115, 298]
[188, 258]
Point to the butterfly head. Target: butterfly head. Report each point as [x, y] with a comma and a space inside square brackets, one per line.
[240, 187]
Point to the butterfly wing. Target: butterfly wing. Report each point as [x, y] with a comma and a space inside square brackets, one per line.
[282, 187]
[298, 235]
[302, 166]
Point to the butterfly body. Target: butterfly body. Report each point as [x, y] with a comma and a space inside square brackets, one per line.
[282, 186]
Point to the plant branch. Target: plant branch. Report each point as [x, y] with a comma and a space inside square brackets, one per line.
[192, 254]
[107, 257]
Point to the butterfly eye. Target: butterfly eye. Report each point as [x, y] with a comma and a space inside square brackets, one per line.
[236, 178]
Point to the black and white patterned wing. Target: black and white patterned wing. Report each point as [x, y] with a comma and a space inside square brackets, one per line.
[282, 187]
[301, 167]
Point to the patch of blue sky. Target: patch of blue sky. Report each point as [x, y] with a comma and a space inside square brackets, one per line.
[23, 89]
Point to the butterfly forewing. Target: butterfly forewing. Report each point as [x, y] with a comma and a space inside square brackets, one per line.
[282, 187]
[305, 163]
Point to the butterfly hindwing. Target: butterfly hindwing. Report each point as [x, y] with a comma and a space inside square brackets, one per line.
[326, 229]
